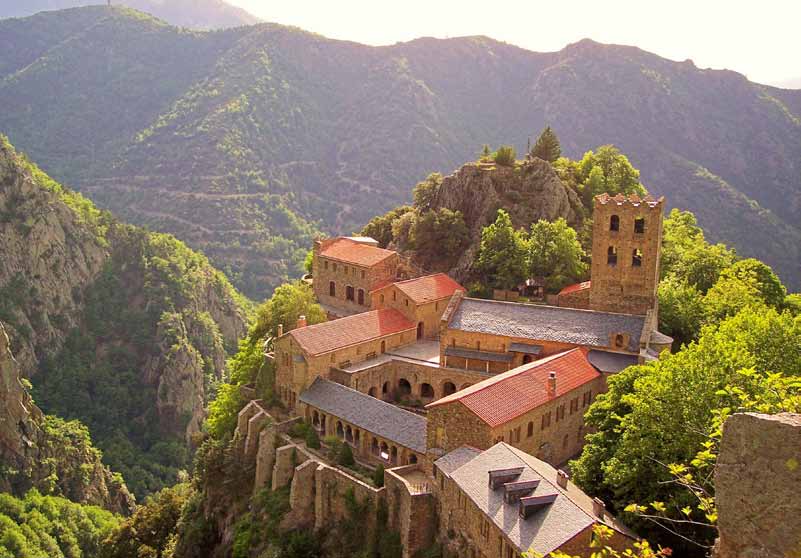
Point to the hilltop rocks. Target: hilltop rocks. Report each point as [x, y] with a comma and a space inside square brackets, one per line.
[33, 458]
[758, 487]
[529, 191]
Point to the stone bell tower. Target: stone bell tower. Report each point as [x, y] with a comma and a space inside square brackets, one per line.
[626, 247]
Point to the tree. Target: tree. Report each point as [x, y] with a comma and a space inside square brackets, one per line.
[681, 310]
[485, 152]
[547, 146]
[438, 237]
[308, 262]
[312, 439]
[731, 294]
[425, 193]
[378, 476]
[502, 254]
[767, 283]
[345, 457]
[614, 174]
[660, 413]
[505, 156]
[380, 228]
[554, 252]
[288, 303]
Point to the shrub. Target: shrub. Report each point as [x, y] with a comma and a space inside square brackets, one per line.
[312, 439]
[378, 476]
[345, 456]
[505, 155]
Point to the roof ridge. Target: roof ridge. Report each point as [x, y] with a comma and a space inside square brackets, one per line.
[564, 308]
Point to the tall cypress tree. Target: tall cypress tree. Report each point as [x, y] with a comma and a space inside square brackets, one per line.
[547, 146]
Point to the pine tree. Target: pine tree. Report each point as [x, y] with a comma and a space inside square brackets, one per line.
[547, 146]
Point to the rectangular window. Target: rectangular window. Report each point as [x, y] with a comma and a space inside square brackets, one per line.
[325, 264]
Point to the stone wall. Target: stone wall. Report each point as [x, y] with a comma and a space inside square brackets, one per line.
[412, 512]
[576, 299]
[429, 314]
[758, 487]
[622, 286]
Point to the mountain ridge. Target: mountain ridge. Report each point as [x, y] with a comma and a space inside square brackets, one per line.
[269, 135]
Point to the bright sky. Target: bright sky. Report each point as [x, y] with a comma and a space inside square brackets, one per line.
[761, 39]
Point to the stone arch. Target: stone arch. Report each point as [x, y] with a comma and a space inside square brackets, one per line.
[448, 388]
[404, 387]
[426, 391]
[393, 455]
[349, 434]
[316, 419]
[614, 223]
[383, 451]
[372, 392]
[465, 386]
[385, 389]
[374, 447]
[413, 459]
[340, 430]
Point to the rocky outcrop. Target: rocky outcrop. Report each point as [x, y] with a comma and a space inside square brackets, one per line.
[529, 191]
[34, 455]
[758, 487]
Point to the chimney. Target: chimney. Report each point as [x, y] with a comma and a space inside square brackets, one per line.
[280, 330]
[552, 384]
[301, 321]
[598, 507]
[562, 478]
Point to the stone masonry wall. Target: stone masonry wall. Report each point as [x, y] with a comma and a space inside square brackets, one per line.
[758, 487]
[343, 275]
[429, 313]
[412, 514]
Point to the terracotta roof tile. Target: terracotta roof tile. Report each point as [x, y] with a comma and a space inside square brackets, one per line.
[499, 399]
[576, 287]
[353, 252]
[329, 336]
[429, 288]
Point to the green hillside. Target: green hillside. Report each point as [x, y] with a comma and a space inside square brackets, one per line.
[248, 142]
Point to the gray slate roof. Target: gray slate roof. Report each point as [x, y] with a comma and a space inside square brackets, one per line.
[546, 323]
[478, 355]
[548, 528]
[371, 414]
[610, 363]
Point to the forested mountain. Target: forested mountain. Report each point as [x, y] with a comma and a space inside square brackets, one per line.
[245, 143]
[195, 14]
[123, 329]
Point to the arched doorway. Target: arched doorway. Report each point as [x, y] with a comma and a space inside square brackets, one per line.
[426, 391]
[385, 389]
[420, 330]
[340, 430]
[448, 388]
[404, 387]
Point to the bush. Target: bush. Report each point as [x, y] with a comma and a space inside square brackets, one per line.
[378, 476]
[345, 456]
[505, 156]
[312, 439]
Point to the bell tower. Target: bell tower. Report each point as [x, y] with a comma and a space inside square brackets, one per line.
[626, 247]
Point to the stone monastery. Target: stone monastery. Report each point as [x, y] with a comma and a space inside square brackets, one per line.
[471, 405]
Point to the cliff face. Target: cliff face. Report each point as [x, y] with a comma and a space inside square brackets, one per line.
[116, 326]
[38, 451]
[529, 192]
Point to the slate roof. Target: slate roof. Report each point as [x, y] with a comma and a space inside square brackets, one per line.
[499, 399]
[548, 528]
[368, 413]
[350, 251]
[546, 323]
[611, 363]
[350, 330]
[478, 355]
[429, 288]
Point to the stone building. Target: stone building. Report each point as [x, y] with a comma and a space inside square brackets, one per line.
[346, 270]
[423, 300]
[497, 336]
[309, 352]
[626, 247]
[538, 407]
[377, 431]
[502, 502]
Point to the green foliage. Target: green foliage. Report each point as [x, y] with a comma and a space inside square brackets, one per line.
[308, 262]
[554, 252]
[312, 439]
[660, 413]
[288, 303]
[47, 526]
[505, 156]
[378, 476]
[681, 310]
[438, 238]
[547, 146]
[605, 170]
[501, 259]
[600, 548]
[345, 456]
[425, 193]
[771, 290]
[380, 228]
[151, 527]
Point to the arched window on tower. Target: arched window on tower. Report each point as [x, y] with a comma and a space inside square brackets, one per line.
[639, 225]
[636, 258]
[611, 256]
[614, 223]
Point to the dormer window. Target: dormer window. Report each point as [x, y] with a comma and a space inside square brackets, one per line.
[614, 223]
[639, 225]
[620, 340]
[611, 256]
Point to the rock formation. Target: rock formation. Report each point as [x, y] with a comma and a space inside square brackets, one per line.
[32, 457]
[758, 487]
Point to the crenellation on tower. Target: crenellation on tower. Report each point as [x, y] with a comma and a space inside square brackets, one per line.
[626, 248]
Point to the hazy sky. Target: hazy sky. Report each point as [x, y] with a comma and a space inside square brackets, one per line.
[761, 39]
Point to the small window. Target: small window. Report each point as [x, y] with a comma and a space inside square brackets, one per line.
[611, 256]
[639, 225]
[382, 299]
[361, 297]
[350, 293]
[530, 430]
[332, 288]
[406, 300]
[614, 223]
[325, 264]
[636, 258]
[394, 295]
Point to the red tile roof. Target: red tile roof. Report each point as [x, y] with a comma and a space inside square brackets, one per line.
[574, 288]
[353, 252]
[351, 330]
[429, 288]
[499, 399]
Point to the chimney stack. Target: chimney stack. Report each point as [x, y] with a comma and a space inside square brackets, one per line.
[280, 330]
[552, 384]
[301, 321]
[598, 507]
[562, 478]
